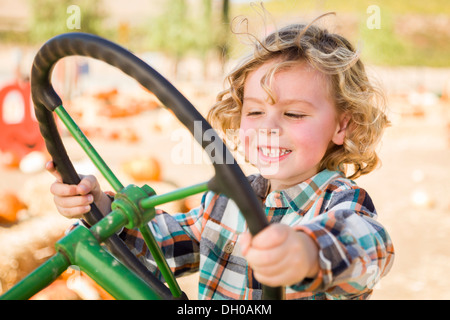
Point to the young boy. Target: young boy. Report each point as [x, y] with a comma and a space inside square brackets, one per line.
[308, 117]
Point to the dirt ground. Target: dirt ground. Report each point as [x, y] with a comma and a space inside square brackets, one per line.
[410, 191]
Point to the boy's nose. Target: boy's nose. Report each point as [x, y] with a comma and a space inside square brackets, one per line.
[269, 132]
[271, 126]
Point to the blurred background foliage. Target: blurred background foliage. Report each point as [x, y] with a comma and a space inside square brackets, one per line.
[412, 32]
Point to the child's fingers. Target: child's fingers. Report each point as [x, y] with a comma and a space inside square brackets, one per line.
[74, 212]
[267, 247]
[86, 185]
[89, 184]
[272, 236]
[273, 276]
[261, 258]
[73, 202]
[50, 166]
[68, 200]
[59, 189]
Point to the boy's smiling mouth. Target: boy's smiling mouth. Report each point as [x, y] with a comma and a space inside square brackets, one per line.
[271, 154]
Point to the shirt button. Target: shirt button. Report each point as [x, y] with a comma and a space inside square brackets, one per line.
[229, 247]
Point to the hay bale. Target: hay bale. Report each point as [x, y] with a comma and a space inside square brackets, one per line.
[37, 196]
[26, 245]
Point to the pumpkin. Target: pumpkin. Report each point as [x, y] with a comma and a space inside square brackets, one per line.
[114, 134]
[107, 95]
[57, 290]
[10, 205]
[129, 135]
[143, 169]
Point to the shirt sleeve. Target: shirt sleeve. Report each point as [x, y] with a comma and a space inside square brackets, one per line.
[177, 235]
[355, 251]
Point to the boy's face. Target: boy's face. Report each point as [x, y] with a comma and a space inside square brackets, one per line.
[287, 140]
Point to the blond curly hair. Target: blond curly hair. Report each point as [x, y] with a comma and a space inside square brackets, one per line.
[349, 88]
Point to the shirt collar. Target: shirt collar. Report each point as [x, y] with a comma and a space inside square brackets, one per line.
[296, 197]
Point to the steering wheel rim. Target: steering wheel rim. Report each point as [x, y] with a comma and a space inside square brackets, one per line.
[228, 179]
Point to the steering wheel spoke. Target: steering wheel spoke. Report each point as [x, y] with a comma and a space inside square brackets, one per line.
[83, 141]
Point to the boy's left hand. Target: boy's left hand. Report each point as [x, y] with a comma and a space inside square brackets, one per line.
[280, 255]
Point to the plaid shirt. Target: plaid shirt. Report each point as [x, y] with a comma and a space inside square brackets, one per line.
[354, 249]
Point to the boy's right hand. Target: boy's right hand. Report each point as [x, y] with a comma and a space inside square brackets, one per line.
[73, 201]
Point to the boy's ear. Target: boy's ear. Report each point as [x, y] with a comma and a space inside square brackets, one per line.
[341, 129]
